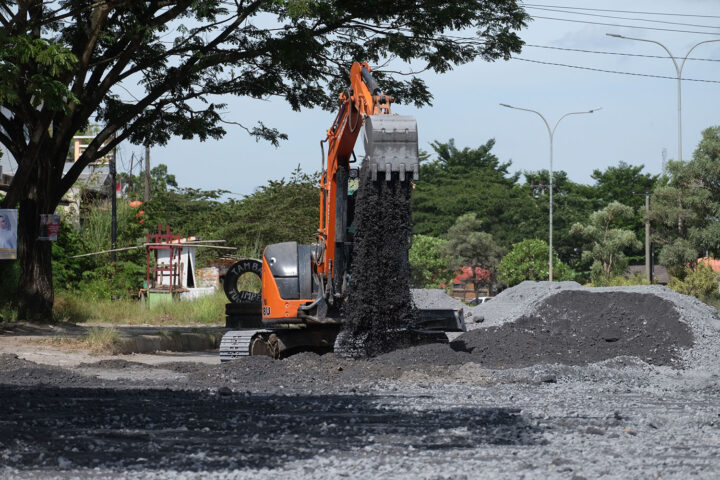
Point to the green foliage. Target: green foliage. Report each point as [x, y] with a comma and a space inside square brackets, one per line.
[35, 67]
[282, 211]
[607, 242]
[100, 339]
[620, 281]
[685, 209]
[208, 310]
[121, 279]
[63, 64]
[471, 180]
[95, 275]
[428, 266]
[528, 260]
[468, 246]
[621, 184]
[9, 274]
[701, 283]
[572, 203]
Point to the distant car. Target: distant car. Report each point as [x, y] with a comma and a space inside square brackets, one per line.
[480, 300]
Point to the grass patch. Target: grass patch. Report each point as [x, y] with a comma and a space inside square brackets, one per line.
[102, 340]
[64, 342]
[208, 310]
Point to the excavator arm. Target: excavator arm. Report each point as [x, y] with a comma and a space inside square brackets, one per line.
[309, 280]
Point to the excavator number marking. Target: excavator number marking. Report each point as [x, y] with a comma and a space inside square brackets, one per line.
[266, 311]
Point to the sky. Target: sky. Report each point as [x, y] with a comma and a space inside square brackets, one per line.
[636, 124]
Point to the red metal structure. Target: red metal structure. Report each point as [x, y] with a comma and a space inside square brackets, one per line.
[157, 272]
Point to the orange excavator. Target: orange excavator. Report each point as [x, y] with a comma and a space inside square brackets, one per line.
[304, 286]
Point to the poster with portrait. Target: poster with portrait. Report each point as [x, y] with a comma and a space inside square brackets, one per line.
[8, 234]
[49, 227]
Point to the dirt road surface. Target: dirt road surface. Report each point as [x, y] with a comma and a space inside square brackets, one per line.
[456, 411]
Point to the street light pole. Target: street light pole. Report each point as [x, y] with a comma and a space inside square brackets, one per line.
[678, 69]
[551, 133]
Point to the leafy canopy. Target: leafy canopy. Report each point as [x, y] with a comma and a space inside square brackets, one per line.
[471, 180]
[428, 265]
[65, 62]
[528, 260]
[684, 210]
[606, 241]
[469, 246]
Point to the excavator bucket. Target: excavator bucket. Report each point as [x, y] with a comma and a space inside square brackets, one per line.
[391, 145]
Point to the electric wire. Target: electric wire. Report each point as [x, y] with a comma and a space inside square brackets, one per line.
[530, 5]
[626, 26]
[625, 18]
[620, 53]
[578, 67]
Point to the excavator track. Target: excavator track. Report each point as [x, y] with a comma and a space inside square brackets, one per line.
[237, 343]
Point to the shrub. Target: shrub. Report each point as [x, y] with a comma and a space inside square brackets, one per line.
[701, 283]
[528, 260]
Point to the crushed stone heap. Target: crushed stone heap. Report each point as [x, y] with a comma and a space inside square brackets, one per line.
[577, 327]
[565, 323]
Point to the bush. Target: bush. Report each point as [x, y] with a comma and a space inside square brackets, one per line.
[528, 260]
[621, 281]
[428, 266]
[701, 283]
[118, 280]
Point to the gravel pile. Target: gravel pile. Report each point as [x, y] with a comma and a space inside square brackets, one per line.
[538, 323]
[435, 298]
[429, 412]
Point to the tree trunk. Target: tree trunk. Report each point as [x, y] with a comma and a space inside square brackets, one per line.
[35, 291]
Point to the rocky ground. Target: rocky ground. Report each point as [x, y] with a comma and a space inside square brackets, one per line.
[551, 381]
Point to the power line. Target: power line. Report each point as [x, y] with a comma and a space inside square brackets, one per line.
[625, 18]
[619, 53]
[626, 26]
[613, 71]
[624, 11]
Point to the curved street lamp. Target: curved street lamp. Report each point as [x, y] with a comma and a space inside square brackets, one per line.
[551, 132]
[678, 69]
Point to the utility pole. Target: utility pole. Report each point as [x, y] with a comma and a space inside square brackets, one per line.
[648, 260]
[147, 173]
[113, 206]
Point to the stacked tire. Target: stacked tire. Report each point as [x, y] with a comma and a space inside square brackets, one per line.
[244, 309]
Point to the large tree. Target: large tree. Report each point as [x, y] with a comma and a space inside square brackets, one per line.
[468, 245]
[470, 180]
[684, 210]
[607, 241]
[63, 62]
[572, 203]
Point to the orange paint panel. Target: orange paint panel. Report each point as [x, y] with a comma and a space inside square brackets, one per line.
[273, 305]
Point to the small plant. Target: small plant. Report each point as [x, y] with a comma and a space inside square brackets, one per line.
[701, 283]
[102, 339]
[620, 281]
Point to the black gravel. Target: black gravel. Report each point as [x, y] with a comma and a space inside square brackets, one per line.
[578, 327]
[614, 384]
[379, 301]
